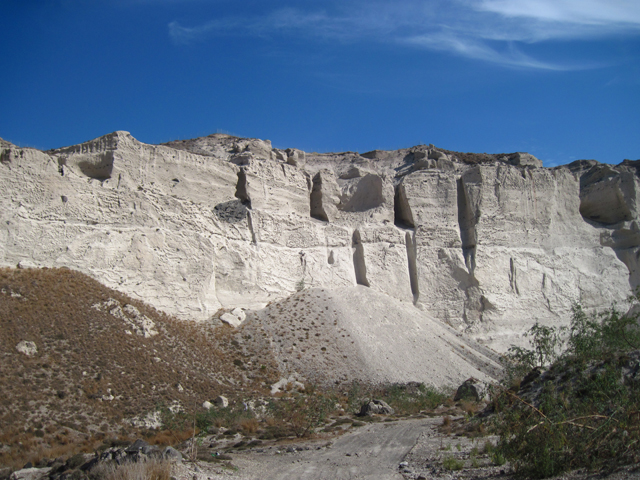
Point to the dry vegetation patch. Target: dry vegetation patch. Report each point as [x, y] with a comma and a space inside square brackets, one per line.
[93, 375]
[110, 369]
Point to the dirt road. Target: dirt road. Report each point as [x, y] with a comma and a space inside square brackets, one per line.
[370, 452]
[373, 451]
[410, 449]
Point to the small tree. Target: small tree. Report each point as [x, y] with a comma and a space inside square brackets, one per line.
[597, 335]
[546, 343]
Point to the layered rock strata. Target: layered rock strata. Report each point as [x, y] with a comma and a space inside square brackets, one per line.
[487, 243]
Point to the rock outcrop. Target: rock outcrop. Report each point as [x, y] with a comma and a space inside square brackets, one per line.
[84, 466]
[375, 407]
[27, 348]
[487, 243]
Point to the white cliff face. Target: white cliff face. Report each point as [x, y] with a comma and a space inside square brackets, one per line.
[193, 226]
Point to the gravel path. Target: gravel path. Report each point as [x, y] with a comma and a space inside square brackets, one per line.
[411, 449]
[373, 451]
[370, 452]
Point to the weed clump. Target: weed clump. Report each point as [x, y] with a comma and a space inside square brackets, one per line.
[143, 470]
[302, 413]
[452, 463]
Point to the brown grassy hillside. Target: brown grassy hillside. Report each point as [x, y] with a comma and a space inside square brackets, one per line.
[93, 374]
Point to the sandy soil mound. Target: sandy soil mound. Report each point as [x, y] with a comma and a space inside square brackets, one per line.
[330, 336]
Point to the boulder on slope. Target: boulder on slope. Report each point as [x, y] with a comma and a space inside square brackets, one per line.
[375, 407]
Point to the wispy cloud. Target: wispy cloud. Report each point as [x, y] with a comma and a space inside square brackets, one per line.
[541, 20]
[473, 48]
[280, 22]
[494, 31]
[584, 12]
[185, 35]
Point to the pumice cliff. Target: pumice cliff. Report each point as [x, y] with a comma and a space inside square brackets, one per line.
[489, 244]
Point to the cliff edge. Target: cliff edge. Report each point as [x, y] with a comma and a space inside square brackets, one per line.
[488, 244]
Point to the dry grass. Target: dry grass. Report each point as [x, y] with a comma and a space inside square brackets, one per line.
[90, 378]
[34, 450]
[470, 408]
[145, 470]
[249, 425]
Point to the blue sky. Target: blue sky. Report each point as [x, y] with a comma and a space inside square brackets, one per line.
[557, 78]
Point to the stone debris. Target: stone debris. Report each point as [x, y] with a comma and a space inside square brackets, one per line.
[84, 466]
[234, 318]
[27, 348]
[131, 316]
[290, 383]
[149, 421]
[375, 407]
[30, 474]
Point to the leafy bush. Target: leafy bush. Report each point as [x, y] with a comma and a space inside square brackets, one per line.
[498, 458]
[488, 447]
[452, 463]
[546, 343]
[177, 421]
[405, 399]
[593, 337]
[232, 417]
[583, 411]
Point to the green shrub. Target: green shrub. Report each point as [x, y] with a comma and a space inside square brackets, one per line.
[595, 336]
[546, 343]
[452, 463]
[405, 399]
[488, 447]
[498, 458]
[411, 400]
[174, 420]
[232, 417]
[586, 414]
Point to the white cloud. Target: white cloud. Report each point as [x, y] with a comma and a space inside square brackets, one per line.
[478, 50]
[585, 12]
[280, 22]
[541, 20]
[184, 35]
[484, 30]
